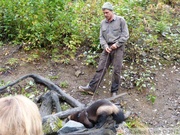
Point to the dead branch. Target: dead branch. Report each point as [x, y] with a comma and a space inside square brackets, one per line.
[117, 96]
[50, 85]
[63, 114]
[46, 105]
[55, 99]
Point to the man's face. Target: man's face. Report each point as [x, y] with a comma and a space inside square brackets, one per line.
[108, 14]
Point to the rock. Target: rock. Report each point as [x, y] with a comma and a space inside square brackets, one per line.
[70, 127]
[108, 132]
[77, 73]
[76, 67]
[52, 125]
[123, 129]
[127, 114]
[76, 128]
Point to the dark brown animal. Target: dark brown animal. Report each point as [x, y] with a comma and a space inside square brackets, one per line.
[97, 113]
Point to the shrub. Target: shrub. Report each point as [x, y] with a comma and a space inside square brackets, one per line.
[70, 25]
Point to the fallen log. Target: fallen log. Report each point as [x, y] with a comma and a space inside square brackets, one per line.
[50, 85]
[56, 101]
[46, 105]
[68, 112]
[63, 114]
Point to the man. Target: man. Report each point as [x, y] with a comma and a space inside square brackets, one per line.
[113, 35]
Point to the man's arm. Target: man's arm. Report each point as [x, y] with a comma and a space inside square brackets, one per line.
[103, 42]
[124, 34]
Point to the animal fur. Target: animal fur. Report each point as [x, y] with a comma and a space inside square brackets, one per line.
[97, 113]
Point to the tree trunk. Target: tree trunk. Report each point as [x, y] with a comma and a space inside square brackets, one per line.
[46, 105]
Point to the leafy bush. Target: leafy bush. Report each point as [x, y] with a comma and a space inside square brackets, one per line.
[39, 23]
[70, 25]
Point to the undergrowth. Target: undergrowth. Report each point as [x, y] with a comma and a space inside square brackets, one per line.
[61, 28]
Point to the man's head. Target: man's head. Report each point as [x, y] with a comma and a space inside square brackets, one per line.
[108, 10]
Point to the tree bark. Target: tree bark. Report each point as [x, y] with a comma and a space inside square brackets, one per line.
[46, 105]
[63, 114]
[56, 101]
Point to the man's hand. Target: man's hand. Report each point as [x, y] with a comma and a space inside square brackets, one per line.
[108, 49]
[114, 46]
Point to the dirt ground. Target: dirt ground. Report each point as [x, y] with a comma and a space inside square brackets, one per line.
[165, 112]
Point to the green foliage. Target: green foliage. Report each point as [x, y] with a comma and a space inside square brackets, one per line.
[136, 126]
[2, 83]
[151, 98]
[38, 23]
[67, 26]
[32, 57]
[65, 106]
[91, 59]
[1, 43]
[54, 77]
[64, 84]
[2, 70]
[65, 61]
[12, 62]
[29, 90]
[160, 27]
[52, 125]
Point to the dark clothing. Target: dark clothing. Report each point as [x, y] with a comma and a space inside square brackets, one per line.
[114, 32]
[116, 58]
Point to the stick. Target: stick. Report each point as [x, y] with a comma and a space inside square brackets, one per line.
[100, 77]
[117, 96]
[50, 85]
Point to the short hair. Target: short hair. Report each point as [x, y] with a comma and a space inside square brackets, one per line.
[19, 116]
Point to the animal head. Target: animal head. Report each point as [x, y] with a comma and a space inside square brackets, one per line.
[82, 117]
[74, 116]
[119, 117]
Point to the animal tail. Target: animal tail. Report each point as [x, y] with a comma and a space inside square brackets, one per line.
[119, 117]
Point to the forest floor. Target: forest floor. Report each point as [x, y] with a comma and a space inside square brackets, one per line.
[163, 114]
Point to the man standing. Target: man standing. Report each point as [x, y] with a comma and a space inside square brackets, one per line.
[113, 35]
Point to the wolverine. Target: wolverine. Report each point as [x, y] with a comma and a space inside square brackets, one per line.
[96, 114]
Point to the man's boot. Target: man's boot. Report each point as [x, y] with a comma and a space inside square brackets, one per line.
[87, 89]
[113, 94]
